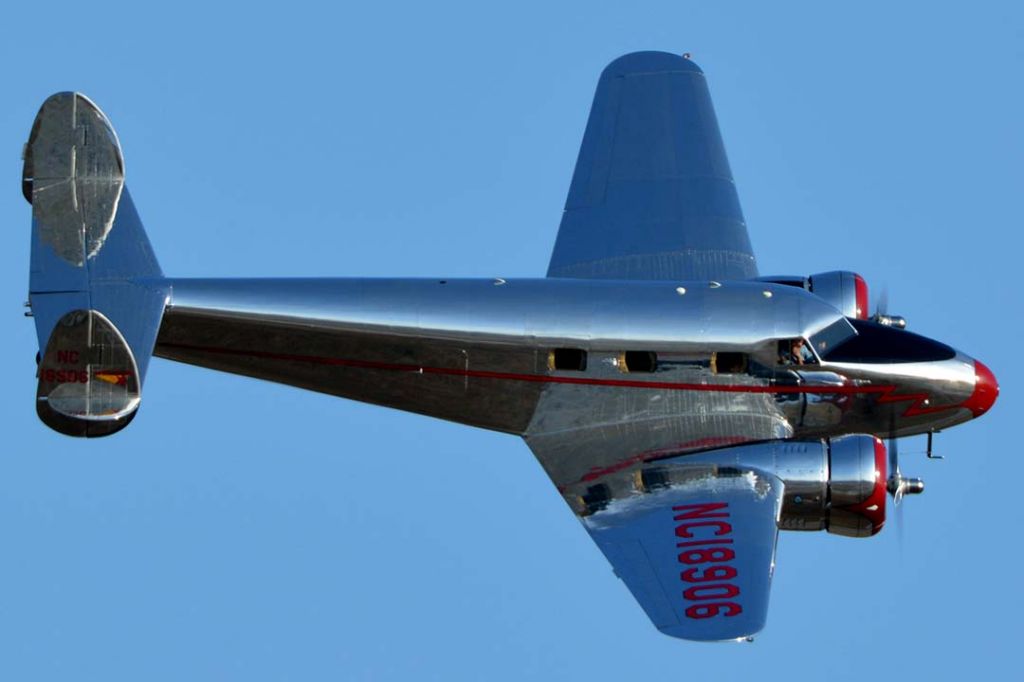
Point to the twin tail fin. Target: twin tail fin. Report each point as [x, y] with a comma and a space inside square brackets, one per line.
[96, 291]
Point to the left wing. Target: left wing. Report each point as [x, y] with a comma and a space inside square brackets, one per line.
[652, 196]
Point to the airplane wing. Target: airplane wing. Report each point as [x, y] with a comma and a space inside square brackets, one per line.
[697, 554]
[652, 196]
[693, 538]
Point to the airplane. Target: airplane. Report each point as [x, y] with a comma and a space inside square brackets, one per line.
[685, 407]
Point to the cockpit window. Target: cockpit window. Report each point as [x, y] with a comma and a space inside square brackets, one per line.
[880, 344]
[796, 352]
[831, 336]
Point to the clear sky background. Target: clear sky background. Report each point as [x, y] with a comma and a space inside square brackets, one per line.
[242, 530]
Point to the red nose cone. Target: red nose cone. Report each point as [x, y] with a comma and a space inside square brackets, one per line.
[986, 390]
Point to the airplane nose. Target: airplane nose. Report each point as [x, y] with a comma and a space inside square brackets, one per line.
[986, 390]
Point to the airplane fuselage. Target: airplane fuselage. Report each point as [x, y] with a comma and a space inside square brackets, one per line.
[695, 364]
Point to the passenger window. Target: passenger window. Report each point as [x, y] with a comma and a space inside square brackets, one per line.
[729, 363]
[573, 359]
[638, 361]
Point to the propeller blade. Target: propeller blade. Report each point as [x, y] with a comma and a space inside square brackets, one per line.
[896, 486]
[894, 482]
[899, 529]
[882, 303]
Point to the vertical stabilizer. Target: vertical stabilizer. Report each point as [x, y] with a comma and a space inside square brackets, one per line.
[95, 288]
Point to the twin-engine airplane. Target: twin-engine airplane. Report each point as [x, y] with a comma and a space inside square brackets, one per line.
[685, 408]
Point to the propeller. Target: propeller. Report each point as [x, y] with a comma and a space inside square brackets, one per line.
[897, 484]
[897, 496]
[882, 315]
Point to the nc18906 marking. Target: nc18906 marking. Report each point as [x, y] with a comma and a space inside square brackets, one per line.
[702, 530]
[64, 376]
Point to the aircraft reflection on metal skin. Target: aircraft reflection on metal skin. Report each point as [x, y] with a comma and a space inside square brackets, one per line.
[685, 407]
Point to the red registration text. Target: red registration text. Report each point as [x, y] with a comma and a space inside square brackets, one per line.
[703, 537]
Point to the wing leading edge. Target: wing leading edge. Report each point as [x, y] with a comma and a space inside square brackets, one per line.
[652, 196]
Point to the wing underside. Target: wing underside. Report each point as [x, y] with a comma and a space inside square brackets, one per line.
[652, 196]
[692, 536]
[696, 548]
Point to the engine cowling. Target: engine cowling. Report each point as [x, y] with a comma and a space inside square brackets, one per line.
[843, 289]
[857, 480]
[837, 484]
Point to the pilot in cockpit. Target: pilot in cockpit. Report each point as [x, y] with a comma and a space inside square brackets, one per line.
[795, 352]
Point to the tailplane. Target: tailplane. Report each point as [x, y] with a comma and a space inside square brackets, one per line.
[95, 288]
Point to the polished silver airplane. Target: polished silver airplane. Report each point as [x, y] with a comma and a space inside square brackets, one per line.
[685, 407]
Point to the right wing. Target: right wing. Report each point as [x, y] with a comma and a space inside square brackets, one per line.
[691, 535]
[696, 548]
[652, 196]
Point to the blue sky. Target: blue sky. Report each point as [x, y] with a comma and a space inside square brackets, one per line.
[241, 530]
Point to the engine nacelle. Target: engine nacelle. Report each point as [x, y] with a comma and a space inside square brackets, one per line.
[838, 485]
[857, 480]
[845, 290]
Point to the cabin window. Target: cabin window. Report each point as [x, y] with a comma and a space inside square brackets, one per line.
[638, 361]
[572, 359]
[729, 363]
[596, 498]
[651, 479]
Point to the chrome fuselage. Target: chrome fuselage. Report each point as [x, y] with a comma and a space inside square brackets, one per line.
[489, 353]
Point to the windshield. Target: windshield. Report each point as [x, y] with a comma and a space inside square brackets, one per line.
[877, 343]
[832, 336]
